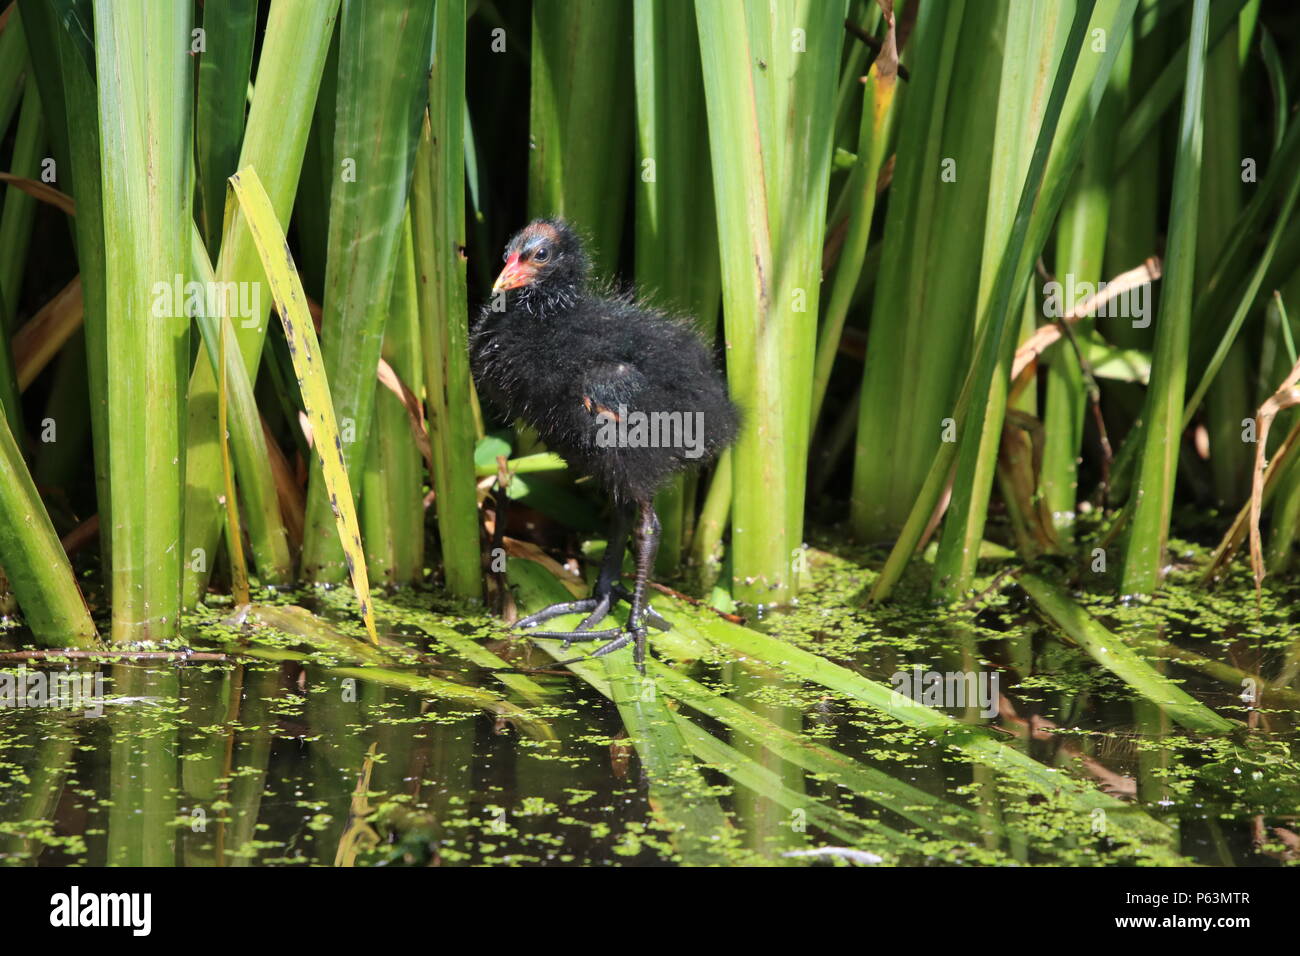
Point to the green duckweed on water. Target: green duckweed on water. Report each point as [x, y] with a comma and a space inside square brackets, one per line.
[312, 747]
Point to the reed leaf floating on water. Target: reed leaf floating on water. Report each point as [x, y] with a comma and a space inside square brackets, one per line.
[1112, 653]
[538, 588]
[696, 822]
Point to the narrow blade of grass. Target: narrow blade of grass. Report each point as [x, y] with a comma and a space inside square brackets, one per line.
[13, 65]
[1245, 303]
[1276, 83]
[1162, 93]
[20, 208]
[291, 303]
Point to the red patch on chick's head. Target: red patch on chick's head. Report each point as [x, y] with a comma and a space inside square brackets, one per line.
[531, 249]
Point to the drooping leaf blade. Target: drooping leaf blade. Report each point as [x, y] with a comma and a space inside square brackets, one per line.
[291, 303]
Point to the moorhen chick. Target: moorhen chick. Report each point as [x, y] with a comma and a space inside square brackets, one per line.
[624, 393]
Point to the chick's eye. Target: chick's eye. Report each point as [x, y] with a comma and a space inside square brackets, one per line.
[542, 254]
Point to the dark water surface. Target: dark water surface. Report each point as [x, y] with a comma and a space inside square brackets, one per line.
[295, 762]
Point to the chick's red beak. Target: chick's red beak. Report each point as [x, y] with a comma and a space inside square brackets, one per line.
[514, 274]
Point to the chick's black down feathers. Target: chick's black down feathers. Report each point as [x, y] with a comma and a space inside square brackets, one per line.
[625, 393]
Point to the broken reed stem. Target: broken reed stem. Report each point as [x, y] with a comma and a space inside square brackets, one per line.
[1028, 353]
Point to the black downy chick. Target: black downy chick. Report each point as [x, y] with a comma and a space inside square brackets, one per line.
[626, 394]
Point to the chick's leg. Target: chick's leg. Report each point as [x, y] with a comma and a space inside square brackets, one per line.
[603, 595]
[645, 544]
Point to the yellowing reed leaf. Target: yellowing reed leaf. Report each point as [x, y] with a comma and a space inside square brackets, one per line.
[291, 302]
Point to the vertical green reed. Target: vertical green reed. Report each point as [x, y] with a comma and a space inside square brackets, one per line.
[384, 51]
[20, 208]
[268, 538]
[438, 217]
[1148, 533]
[392, 498]
[1230, 398]
[676, 239]
[874, 130]
[1075, 95]
[293, 55]
[145, 115]
[580, 125]
[224, 64]
[1080, 247]
[35, 564]
[919, 348]
[13, 64]
[769, 82]
[13, 59]
[764, 94]
[1031, 55]
[60, 34]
